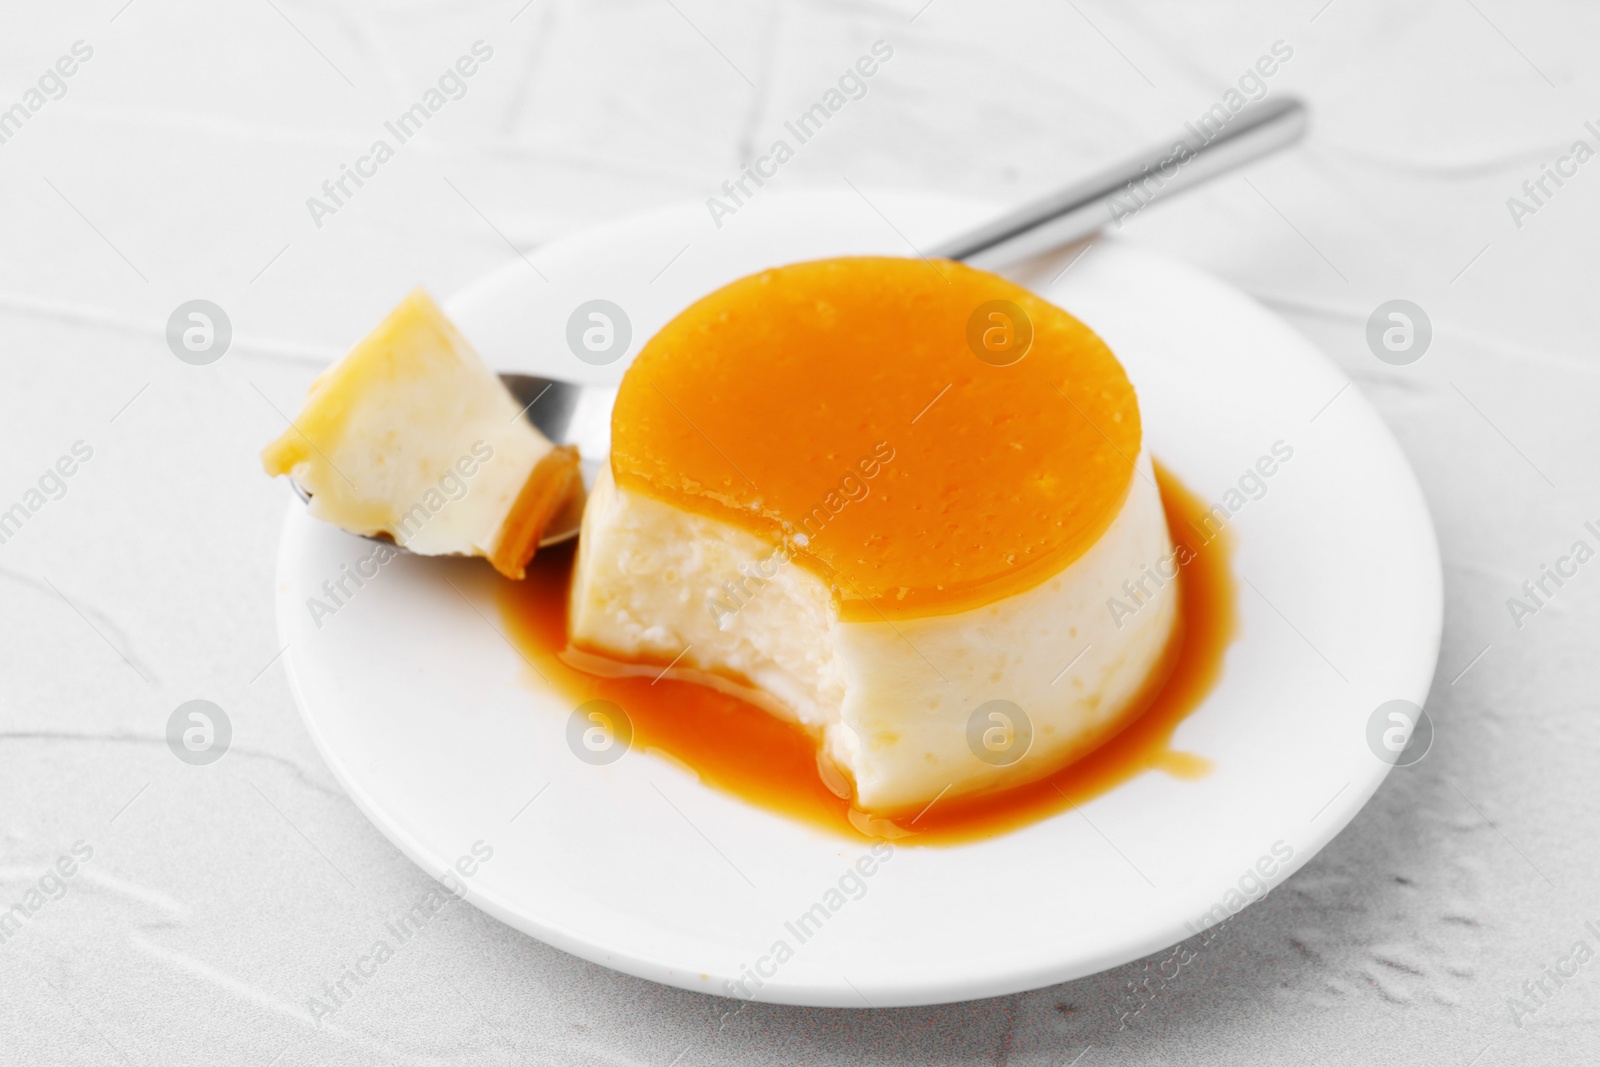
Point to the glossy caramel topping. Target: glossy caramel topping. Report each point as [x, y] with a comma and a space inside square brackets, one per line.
[928, 437]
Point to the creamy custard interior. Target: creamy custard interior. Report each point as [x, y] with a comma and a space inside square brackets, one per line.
[876, 496]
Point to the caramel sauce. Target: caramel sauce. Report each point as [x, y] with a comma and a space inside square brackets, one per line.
[742, 750]
[953, 398]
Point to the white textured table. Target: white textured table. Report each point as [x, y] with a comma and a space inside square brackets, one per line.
[175, 163]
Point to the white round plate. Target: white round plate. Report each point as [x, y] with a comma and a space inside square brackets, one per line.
[430, 719]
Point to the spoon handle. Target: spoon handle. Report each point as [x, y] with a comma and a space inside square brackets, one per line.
[1109, 197]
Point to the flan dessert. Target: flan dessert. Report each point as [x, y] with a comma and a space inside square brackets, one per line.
[889, 500]
[411, 436]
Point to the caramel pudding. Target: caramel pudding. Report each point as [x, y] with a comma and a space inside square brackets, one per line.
[886, 501]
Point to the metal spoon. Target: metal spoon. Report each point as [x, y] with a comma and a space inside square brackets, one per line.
[570, 413]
